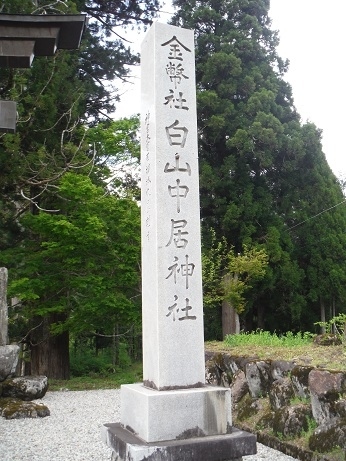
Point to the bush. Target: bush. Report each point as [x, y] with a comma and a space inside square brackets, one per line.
[86, 362]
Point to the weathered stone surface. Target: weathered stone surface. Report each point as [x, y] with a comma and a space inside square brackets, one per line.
[258, 378]
[25, 387]
[255, 415]
[292, 421]
[239, 387]
[324, 382]
[248, 407]
[232, 364]
[281, 393]
[266, 421]
[340, 408]
[126, 445]
[325, 389]
[8, 360]
[328, 437]
[280, 369]
[300, 381]
[17, 409]
[212, 373]
[328, 339]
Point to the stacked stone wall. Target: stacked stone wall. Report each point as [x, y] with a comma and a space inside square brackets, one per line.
[301, 407]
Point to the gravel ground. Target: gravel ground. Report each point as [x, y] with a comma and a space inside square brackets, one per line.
[72, 431]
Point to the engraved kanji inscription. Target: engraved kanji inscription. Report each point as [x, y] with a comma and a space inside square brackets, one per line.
[176, 134]
[175, 73]
[177, 102]
[177, 167]
[173, 310]
[185, 270]
[175, 48]
[186, 309]
[147, 135]
[179, 192]
[174, 270]
[178, 233]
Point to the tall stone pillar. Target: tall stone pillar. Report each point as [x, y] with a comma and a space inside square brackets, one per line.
[172, 414]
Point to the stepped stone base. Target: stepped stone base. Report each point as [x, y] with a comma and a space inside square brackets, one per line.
[229, 447]
[156, 416]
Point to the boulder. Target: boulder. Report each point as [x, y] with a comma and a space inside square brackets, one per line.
[340, 409]
[292, 421]
[239, 387]
[212, 373]
[258, 378]
[328, 437]
[281, 393]
[8, 360]
[17, 409]
[25, 387]
[248, 407]
[325, 390]
[266, 421]
[280, 369]
[300, 381]
[328, 339]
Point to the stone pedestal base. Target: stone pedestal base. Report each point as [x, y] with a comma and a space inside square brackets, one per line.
[229, 447]
[155, 416]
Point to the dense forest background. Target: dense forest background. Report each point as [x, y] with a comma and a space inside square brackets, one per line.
[273, 213]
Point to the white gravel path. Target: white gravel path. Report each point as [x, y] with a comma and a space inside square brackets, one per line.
[72, 431]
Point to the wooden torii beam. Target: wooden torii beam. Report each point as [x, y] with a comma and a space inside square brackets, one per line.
[22, 37]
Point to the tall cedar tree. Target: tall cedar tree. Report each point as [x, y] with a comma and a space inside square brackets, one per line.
[56, 100]
[262, 173]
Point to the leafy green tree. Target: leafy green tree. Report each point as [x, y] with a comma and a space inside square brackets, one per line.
[228, 278]
[57, 99]
[117, 149]
[257, 161]
[78, 269]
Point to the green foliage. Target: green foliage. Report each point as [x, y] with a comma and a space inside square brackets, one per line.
[113, 380]
[244, 269]
[83, 263]
[117, 149]
[265, 338]
[214, 261]
[264, 180]
[86, 362]
[72, 249]
[228, 276]
[337, 325]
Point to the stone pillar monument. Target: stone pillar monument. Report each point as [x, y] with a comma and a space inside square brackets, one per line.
[172, 415]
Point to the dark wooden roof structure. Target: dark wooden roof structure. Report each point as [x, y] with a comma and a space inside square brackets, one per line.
[22, 37]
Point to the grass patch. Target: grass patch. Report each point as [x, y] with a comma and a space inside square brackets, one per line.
[298, 348]
[265, 338]
[132, 374]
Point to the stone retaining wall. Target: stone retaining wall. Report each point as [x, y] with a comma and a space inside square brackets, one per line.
[301, 407]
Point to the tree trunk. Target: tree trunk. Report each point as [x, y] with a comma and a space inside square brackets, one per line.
[333, 315]
[323, 316]
[230, 317]
[230, 320]
[3, 307]
[49, 354]
[260, 317]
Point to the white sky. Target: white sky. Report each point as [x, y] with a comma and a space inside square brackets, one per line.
[312, 37]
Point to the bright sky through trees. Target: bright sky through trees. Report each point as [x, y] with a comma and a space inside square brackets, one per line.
[312, 38]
